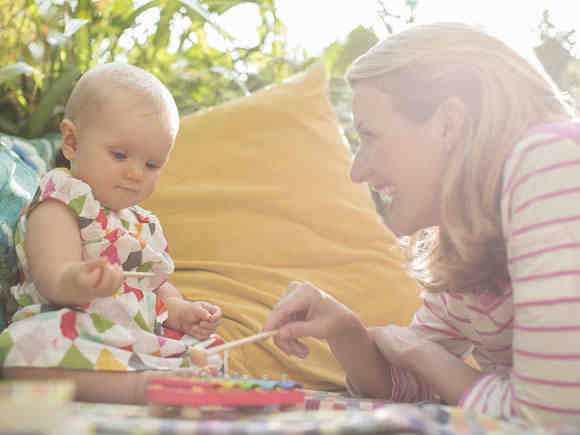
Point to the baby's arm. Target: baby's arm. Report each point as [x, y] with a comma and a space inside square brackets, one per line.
[198, 319]
[53, 249]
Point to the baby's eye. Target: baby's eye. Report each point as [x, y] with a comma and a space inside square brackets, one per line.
[151, 165]
[118, 155]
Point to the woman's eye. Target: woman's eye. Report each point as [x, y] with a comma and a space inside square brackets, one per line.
[366, 139]
[119, 156]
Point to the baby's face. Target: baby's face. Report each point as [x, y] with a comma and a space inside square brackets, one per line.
[121, 153]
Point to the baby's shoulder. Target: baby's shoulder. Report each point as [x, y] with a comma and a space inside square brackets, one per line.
[60, 185]
[62, 178]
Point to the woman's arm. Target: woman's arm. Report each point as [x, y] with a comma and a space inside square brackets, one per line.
[425, 354]
[367, 371]
[54, 253]
[449, 376]
[306, 311]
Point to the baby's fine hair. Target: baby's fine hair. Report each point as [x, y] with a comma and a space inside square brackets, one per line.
[504, 95]
[103, 81]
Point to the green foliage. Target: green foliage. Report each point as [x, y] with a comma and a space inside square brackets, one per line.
[392, 21]
[338, 56]
[556, 55]
[47, 44]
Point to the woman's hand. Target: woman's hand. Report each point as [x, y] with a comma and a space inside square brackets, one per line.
[306, 311]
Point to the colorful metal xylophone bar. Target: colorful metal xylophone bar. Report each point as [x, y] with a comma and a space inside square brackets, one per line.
[196, 392]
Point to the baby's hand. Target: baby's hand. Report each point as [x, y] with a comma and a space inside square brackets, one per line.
[198, 319]
[94, 279]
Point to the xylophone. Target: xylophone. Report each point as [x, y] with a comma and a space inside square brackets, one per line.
[211, 392]
[232, 392]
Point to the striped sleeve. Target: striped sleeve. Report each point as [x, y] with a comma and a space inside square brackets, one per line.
[541, 224]
[434, 322]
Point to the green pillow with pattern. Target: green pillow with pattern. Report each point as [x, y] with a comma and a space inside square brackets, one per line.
[22, 162]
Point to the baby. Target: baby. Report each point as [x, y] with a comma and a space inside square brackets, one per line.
[76, 307]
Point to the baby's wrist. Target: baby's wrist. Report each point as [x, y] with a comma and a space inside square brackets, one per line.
[64, 290]
[173, 300]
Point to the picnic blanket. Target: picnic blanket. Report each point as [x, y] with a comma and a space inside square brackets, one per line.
[321, 413]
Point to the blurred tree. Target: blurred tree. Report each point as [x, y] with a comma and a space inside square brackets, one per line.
[556, 53]
[339, 56]
[393, 21]
[47, 44]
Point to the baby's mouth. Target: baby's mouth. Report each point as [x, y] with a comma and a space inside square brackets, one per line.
[127, 189]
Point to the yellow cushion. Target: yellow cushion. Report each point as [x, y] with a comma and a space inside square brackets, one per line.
[257, 194]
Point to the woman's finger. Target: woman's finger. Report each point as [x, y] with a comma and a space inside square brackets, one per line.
[294, 285]
[294, 303]
[283, 345]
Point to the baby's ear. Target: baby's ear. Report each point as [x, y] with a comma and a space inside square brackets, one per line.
[68, 129]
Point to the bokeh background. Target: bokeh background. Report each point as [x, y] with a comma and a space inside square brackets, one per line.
[210, 51]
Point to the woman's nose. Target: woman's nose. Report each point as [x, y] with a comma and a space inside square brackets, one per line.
[360, 167]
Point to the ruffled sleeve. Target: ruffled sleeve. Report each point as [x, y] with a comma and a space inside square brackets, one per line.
[60, 185]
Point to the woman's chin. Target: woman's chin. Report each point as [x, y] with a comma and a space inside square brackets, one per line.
[408, 224]
[400, 226]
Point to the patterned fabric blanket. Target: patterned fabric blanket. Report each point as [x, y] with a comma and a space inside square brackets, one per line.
[321, 413]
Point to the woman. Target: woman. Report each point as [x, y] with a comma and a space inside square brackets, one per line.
[480, 160]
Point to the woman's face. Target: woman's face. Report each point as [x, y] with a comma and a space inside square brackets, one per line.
[400, 158]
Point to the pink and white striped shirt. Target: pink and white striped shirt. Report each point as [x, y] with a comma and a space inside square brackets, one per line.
[526, 341]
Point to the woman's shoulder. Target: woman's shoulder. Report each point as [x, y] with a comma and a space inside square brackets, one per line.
[543, 143]
[546, 134]
[567, 129]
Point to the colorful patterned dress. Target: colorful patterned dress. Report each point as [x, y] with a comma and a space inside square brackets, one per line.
[121, 332]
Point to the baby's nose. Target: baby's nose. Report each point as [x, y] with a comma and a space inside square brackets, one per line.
[134, 172]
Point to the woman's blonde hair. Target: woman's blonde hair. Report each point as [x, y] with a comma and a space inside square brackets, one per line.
[504, 95]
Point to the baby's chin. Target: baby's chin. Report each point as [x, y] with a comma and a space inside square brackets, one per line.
[116, 207]
[121, 201]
